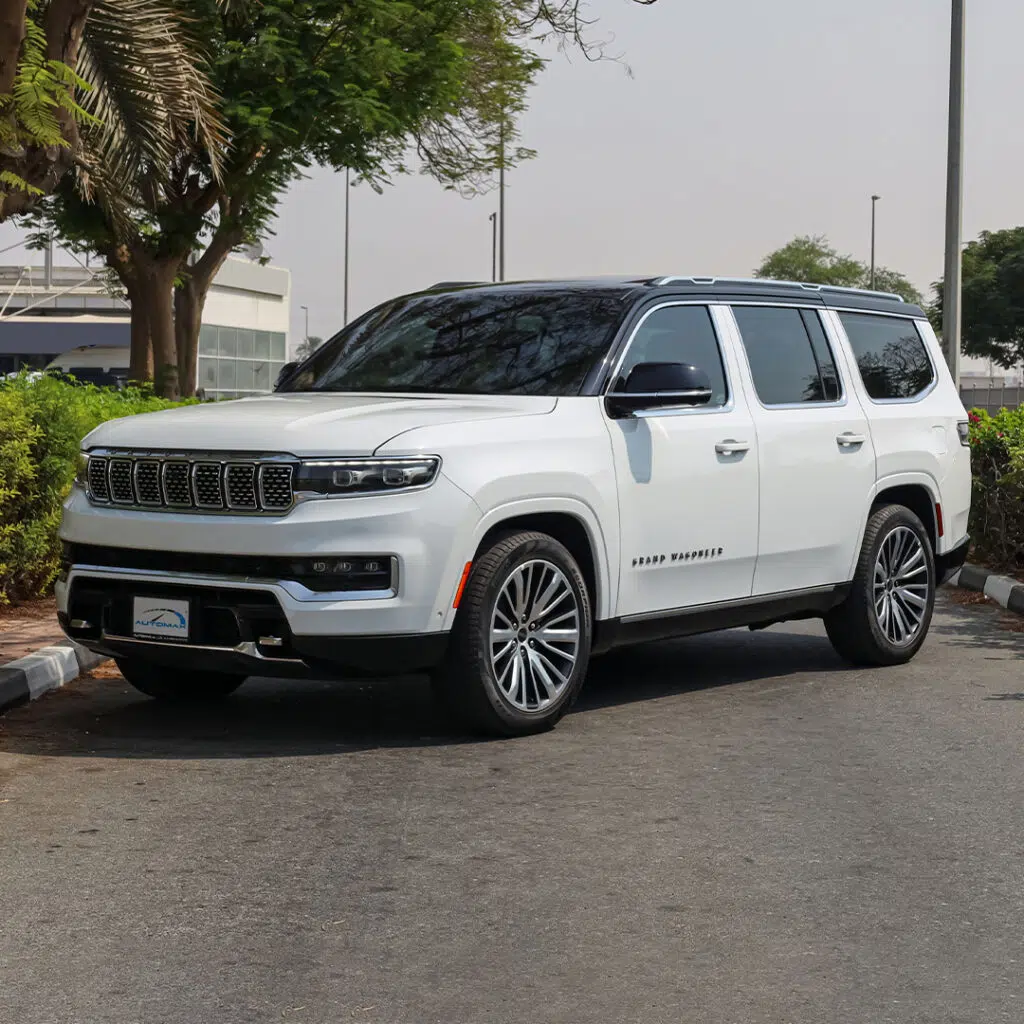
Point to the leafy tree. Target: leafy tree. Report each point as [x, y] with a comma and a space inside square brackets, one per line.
[810, 258]
[101, 86]
[314, 82]
[993, 297]
[308, 346]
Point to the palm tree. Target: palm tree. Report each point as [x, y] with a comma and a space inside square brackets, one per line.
[107, 88]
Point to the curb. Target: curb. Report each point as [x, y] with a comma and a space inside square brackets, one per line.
[1006, 592]
[47, 669]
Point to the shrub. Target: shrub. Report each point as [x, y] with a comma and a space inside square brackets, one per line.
[42, 422]
[997, 506]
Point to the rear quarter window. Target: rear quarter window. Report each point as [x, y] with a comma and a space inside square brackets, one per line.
[891, 355]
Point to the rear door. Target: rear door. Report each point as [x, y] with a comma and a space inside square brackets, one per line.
[817, 461]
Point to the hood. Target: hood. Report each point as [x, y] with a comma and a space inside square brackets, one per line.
[306, 424]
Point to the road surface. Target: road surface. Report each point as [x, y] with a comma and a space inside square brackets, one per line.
[732, 829]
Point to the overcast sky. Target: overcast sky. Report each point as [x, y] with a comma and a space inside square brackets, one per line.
[745, 124]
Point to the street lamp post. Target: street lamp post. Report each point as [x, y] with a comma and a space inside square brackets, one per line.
[344, 318]
[305, 309]
[501, 204]
[951, 292]
[874, 203]
[493, 218]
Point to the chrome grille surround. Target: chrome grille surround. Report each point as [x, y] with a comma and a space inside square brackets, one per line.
[225, 483]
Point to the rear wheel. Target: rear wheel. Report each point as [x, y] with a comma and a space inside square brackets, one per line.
[885, 618]
[178, 685]
[521, 642]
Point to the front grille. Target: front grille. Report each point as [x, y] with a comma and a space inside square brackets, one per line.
[147, 482]
[98, 479]
[206, 478]
[240, 485]
[276, 486]
[119, 476]
[184, 482]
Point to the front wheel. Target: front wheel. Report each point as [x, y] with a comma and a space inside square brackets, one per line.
[885, 618]
[521, 642]
[178, 685]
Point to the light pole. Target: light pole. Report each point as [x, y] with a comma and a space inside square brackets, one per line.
[501, 203]
[305, 309]
[874, 203]
[344, 318]
[493, 218]
[951, 292]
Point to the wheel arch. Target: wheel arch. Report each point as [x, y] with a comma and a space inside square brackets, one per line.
[572, 523]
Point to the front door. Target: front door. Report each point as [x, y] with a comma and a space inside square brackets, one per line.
[687, 478]
[816, 454]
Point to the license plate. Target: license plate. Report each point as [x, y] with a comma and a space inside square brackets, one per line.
[160, 617]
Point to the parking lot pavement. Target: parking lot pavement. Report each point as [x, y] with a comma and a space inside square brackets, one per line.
[732, 828]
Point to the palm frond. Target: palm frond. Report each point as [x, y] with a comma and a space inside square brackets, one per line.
[148, 94]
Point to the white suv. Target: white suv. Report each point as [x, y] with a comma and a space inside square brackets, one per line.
[492, 483]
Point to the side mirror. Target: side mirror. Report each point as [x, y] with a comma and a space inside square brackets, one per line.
[659, 386]
[286, 371]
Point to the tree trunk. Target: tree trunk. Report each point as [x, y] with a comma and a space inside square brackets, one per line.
[141, 359]
[12, 34]
[154, 283]
[188, 314]
[190, 296]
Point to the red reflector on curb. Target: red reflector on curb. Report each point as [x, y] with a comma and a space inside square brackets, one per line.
[462, 585]
[938, 518]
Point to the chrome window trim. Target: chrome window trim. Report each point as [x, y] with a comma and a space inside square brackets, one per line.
[915, 320]
[294, 589]
[788, 406]
[730, 402]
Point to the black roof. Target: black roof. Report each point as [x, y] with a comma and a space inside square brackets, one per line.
[713, 289]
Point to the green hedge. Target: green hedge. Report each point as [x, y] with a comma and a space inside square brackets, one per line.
[997, 505]
[42, 421]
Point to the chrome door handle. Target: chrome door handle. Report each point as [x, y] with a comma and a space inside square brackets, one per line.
[849, 440]
[731, 447]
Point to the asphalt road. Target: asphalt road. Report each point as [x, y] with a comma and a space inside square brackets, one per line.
[732, 828]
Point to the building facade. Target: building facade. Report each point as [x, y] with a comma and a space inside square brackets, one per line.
[46, 312]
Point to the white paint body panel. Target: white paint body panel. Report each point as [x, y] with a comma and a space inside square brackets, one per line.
[788, 513]
[688, 514]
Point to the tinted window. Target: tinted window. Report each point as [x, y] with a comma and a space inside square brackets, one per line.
[472, 342]
[891, 356]
[680, 334]
[789, 356]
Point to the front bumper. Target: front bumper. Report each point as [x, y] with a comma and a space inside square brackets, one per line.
[232, 570]
[234, 630]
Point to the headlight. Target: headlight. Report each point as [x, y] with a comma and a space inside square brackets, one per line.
[963, 428]
[82, 473]
[340, 477]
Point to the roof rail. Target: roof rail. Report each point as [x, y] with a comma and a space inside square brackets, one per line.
[807, 286]
[452, 284]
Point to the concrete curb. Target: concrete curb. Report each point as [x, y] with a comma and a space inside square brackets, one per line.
[1003, 590]
[47, 669]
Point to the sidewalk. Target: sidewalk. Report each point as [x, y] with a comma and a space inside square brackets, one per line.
[35, 656]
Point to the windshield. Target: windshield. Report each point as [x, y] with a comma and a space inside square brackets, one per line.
[475, 342]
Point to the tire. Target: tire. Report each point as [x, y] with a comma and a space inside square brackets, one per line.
[177, 685]
[512, 683]
[880, 623]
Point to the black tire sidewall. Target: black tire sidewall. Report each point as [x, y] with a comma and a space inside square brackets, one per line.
[525, 548]
[892, 517]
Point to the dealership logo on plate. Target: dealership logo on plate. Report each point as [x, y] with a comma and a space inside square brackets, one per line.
[163, 619]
